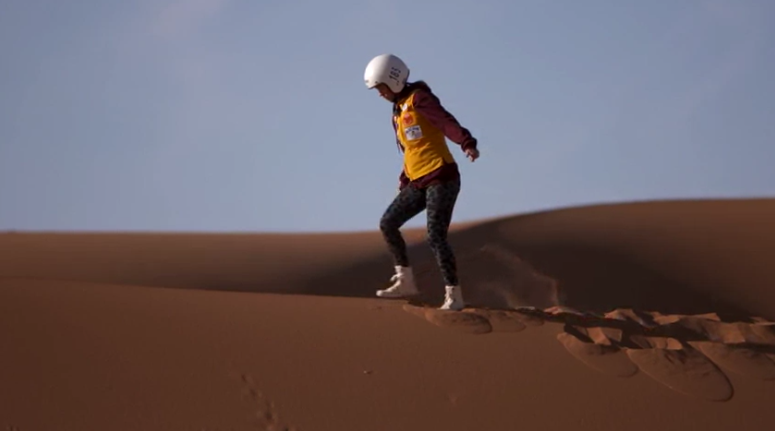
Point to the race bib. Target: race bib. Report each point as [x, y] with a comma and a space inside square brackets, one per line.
[413, 133]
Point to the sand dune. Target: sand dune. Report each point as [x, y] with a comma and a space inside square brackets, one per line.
[650, 315]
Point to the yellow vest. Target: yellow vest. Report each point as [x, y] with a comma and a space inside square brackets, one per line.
[425, 146]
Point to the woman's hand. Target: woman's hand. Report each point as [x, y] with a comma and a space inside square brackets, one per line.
[472, 154]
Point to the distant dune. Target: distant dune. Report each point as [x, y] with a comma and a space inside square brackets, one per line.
[638, 316]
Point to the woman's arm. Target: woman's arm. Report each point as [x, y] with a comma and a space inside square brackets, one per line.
[430, 107]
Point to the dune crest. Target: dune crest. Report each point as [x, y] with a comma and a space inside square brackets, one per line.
[506, 321]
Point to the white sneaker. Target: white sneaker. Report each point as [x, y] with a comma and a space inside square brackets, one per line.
[403, 285]
[453, 300]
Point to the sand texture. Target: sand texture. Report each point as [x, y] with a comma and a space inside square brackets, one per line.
[638, 316]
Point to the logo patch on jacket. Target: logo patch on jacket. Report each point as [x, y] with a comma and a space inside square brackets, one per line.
[412, 133]
[407, 118]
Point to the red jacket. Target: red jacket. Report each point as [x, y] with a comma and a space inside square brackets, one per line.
[429, 106]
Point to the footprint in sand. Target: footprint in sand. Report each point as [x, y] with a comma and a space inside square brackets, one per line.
[504, 320]
[475, 321]
[604, 358]
[686, 371]
[530, 316]
[690, 367]
[461, 321]
[687, 367]
[265, 412]
[743, 361]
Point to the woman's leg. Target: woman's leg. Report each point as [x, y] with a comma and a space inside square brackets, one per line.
[407, 204]
[441, 199]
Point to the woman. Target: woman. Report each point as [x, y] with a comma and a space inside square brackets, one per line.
[429, 180]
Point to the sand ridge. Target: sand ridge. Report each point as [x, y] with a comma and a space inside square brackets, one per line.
[685, 353]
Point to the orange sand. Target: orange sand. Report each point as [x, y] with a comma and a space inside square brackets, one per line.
[633, 316]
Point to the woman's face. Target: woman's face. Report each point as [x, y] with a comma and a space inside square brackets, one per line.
[385, 92]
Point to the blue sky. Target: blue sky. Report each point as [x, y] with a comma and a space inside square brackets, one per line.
[237, 115]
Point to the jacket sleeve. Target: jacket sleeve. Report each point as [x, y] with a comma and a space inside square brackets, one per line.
[430, 107]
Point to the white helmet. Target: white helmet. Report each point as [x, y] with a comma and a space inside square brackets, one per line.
[386, 69]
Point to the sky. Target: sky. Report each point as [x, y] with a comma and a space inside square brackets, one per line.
[244, 115]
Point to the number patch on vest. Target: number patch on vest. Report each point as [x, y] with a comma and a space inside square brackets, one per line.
[413, 133]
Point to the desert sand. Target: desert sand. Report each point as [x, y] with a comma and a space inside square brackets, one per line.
[636, 316]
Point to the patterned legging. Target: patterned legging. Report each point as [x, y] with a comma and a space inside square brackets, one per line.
[439, 202]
